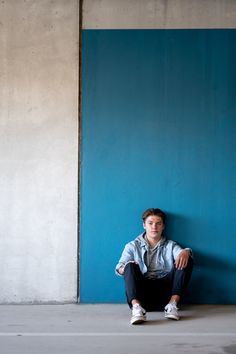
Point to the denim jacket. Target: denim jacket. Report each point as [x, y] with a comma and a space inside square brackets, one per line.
[167, 251]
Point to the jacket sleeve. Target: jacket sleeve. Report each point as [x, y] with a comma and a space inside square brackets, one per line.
[177, 249]
[126, 256]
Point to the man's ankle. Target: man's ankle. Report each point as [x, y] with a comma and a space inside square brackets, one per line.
[135, 302]
[174, 298]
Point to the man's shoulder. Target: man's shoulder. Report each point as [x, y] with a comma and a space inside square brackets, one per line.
[167, 242]
[138, 241]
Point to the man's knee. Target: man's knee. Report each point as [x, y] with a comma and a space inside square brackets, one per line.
[132, 268]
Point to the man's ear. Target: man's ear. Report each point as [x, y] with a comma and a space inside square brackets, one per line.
[144, 226]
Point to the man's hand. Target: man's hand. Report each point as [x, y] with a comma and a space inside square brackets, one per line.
[182, 259]
[121, 270]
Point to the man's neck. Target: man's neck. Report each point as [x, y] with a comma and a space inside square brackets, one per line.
[152, 241]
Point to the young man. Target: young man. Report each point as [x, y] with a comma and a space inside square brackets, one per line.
[156, 271]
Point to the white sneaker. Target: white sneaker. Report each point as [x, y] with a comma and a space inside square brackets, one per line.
[138, 314]
[171, 311]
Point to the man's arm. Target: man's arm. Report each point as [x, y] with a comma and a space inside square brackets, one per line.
[181, 261]
[126, 257]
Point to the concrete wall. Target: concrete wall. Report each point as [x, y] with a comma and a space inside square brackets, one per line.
[38, 150]
[141, 14]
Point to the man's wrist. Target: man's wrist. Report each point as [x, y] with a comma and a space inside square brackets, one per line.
[189, 250]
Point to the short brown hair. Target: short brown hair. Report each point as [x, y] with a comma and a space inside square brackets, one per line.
[156, 212]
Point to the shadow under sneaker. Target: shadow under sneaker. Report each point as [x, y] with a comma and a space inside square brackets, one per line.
[171, 311]
[138, 314]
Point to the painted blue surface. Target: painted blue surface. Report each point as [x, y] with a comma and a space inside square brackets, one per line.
[159, 130]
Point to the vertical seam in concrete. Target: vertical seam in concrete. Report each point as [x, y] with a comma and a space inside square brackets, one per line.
[79, 141]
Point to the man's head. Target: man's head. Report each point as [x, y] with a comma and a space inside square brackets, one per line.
[154, 212]
[154, 224]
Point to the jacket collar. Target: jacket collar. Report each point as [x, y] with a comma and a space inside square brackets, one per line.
[143, 243]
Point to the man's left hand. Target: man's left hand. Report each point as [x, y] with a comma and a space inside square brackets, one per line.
[182, 259]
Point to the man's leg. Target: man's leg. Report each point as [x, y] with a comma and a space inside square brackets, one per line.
[134, 280]
[151, 294]
[179, 279]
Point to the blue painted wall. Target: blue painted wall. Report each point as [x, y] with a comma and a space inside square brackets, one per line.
[159, 130]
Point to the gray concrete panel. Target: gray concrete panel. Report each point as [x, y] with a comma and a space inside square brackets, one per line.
[141, 14]
[38, 150]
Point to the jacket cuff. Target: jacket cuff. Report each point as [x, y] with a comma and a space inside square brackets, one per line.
[190, 250]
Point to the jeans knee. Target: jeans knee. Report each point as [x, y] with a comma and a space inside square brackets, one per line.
[131, 266]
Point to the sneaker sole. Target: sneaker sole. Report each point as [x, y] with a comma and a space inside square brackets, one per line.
[172, 317]
[137, 320]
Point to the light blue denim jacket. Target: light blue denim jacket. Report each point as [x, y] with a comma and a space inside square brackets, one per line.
[167, 251]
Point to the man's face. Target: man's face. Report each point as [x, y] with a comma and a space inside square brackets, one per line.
[154, 227]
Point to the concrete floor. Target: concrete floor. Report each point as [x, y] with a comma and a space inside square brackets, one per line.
[105, 329]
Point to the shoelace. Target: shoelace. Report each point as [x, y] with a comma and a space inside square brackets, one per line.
[170, 306]
[138, 310]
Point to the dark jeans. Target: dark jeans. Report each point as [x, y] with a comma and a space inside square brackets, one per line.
[155, 294]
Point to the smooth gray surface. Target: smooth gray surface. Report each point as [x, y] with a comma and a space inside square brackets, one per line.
[137, 14]
[38, 150]
[106, 329]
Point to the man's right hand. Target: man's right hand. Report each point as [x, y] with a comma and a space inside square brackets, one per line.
[121, 270]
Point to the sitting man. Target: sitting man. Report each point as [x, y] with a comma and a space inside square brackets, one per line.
[156, 270]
